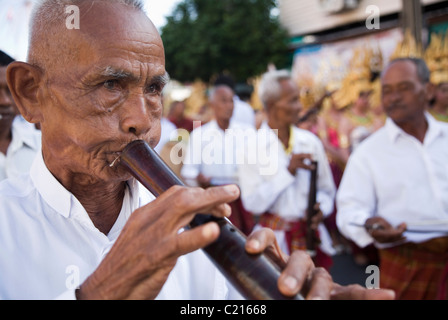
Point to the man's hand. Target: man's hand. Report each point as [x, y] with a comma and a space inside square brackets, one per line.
[148, 247]
[383, 232]
[300, 161]
[317, 218]
[301, 276]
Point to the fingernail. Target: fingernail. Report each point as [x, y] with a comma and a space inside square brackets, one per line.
[231, 188]
[391, 293]
[254, 244]
[209, 230]
[291, 283]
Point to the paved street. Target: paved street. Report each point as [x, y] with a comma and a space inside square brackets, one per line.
[346, 271]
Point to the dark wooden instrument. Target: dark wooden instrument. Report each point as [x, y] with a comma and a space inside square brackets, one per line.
[254, 276]
[311, 237]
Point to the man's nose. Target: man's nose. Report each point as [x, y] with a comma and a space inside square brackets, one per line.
[136, 117]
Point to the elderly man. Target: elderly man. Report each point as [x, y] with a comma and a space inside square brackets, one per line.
[280, 197]
[211, 158]
[77, 227]
[396, 182]
[19, 140]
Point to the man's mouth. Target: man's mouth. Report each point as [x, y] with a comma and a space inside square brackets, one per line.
[116, 155]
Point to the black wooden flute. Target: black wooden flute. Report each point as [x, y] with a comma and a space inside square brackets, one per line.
[254, 276]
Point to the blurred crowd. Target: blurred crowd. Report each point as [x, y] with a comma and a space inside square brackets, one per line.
[341, 116]
[327, 125]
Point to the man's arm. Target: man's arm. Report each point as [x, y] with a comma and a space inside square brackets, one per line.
[356, 201]
[326, 188]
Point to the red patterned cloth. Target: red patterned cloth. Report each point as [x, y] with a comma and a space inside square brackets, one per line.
[241, 218]
[443, 289]
[414, 271]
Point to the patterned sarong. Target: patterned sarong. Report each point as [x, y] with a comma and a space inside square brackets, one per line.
[443, 289]
[414, 270]
[241, 218]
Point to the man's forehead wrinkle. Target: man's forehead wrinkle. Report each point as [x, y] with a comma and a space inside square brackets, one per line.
[104, 19]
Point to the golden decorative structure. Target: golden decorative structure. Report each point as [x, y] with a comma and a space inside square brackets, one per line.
[255, 101]
[358, 78]
[436, 57]
[408, 48]
[197, 99]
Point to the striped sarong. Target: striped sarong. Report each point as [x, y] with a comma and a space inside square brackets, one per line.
[414, 270]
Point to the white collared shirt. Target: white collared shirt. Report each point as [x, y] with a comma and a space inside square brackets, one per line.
[25, 143]
[167, 129]
[49, 245]
[277, 190]
[395, 176]
[214, 153]
[243, 112]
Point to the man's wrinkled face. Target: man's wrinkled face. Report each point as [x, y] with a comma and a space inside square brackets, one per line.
[288, 107]
[108, 94]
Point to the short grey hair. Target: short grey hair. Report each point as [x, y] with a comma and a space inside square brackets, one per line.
[269, 88]
[48, 13]
[423, 72]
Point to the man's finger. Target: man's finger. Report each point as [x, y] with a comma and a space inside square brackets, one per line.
[193, 200]
[357, 292]
[321, 284]
[259, 240]
[296, 273]
[196, 238]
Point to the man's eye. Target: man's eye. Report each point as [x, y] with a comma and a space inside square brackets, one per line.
[110, 84]
[153, 89]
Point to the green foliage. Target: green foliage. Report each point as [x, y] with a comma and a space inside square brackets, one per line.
[203, 38]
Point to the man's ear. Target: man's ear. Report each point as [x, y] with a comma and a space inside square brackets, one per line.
[24, 83]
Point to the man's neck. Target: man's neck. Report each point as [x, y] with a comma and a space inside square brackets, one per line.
[102, 204]
[284, 131]
[223, 124]
[5, 139]
[416, 128]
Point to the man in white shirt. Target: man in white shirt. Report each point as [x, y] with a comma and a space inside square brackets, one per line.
[243, 111]
[396, 182]
[280, 197]
[167, 129]
[79, 227]
[19, 139]
[211, 158]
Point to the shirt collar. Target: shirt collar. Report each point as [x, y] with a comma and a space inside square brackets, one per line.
[434, 129]
[214, 125]
[51, 190]
[62, 200]
[24, 133]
